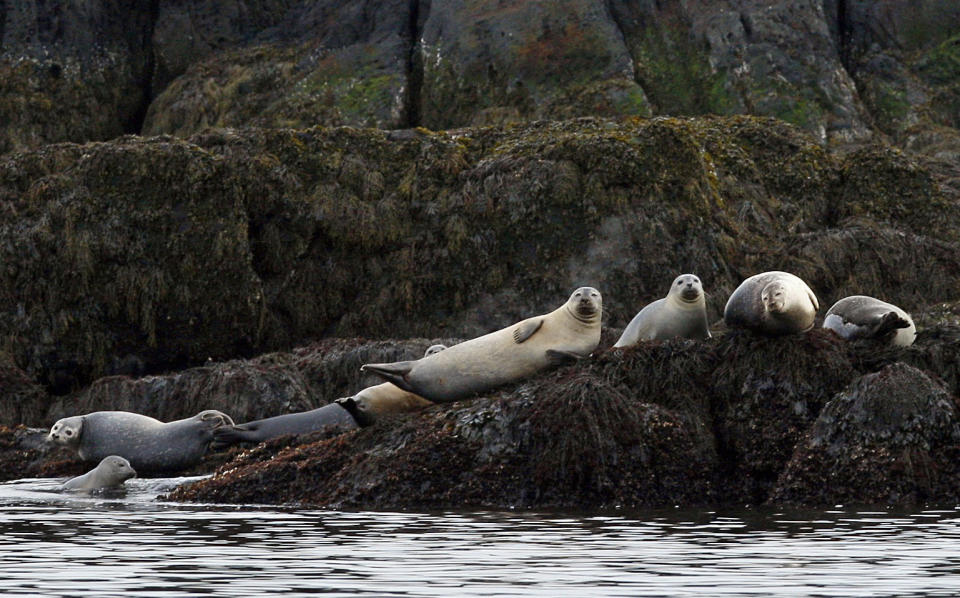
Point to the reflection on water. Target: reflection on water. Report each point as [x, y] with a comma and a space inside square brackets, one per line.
[56, 544]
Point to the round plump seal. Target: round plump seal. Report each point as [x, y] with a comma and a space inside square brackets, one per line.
[863, 317]
[683, 312]
[111, 472]
[514, 353]
[772, 304]
[148, 444]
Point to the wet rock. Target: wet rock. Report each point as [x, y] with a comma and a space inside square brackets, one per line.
[891, 437]
[768, 391]
[567, 439]
[23, 400]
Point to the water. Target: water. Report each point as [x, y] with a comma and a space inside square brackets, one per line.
[134, 545]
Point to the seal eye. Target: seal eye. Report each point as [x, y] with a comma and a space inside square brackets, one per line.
[68, 433]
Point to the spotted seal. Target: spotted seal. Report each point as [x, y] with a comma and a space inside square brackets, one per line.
[863, 317]
[772, 304]
[507, 355]
[148, 444]
[683, 312]
[111, 472]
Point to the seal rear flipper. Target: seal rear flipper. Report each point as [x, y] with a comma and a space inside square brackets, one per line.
[525, 329]
[558, 357]
[889, 323]
[226, 436]
[392, 372]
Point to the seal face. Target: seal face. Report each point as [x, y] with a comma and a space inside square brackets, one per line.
[148, 444]
[111, 472]
[772, 304]
[683, 312]
[289, 423]
[507, 355]
[862, 317]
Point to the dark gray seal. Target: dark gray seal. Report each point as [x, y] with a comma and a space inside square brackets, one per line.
[772, 304]
[290, 423]
[148, 444]
[863, 317]
[683, 313]
[112, 472]
[510, 354]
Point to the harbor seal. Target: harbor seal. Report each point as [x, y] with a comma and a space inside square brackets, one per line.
[683, 312]
[148, 444]
[507, 355]
[862, 317]
[773, 304]
[385, 399]
[112, 472]
[303, 422]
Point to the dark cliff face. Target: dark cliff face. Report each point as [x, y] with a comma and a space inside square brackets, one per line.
[844, 70]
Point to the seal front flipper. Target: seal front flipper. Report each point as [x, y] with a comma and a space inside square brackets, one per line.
[558, 357]
[392, 372]
[525, 329]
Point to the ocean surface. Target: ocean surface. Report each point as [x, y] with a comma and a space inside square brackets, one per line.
[132, 544]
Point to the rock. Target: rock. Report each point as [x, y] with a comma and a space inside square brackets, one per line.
[768, 391]
[564, 440]
[891, 437]
[163, 254]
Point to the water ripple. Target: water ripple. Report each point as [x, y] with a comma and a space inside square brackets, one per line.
[56, 544]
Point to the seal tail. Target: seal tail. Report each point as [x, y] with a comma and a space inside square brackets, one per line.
[227, 436]
[392, 372]
[890, 323]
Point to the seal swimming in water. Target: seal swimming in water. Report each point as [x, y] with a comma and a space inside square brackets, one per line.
[683, 312]
[863, 317]
[507, 355]
[773, 304]
[112, 472]
[148, 444]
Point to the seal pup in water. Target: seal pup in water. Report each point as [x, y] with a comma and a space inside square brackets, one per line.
[112, 472]
[683, 312]
[510, 354]
[862, 317]
[148, 444]
[773, 304]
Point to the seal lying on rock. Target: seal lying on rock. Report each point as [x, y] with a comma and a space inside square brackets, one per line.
[149, 444]
[862, 317]
[347, 414]
[772, 304]
[289, 423]
[683, 312]
[511, 354]
[112, 472]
